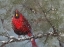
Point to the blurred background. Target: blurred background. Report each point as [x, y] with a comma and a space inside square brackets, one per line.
[33, 11]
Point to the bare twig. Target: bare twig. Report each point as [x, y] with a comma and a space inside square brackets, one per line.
[2, 20]
[60, 42]
[54, 29]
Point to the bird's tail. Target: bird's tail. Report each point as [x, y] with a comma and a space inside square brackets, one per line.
[32, 40]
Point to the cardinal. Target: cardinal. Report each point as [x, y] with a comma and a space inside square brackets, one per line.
[21, 26]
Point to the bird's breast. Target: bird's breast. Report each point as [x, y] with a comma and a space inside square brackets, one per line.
[17, 24]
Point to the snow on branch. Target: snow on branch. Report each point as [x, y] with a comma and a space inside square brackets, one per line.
[40, 35]
[12, 39]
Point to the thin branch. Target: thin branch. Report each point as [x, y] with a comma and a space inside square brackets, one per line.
[60, 42]
[13, 39]
[2, 20]
[54, 29]
[48, 19]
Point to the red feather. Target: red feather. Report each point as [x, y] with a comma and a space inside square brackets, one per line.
[22, 27]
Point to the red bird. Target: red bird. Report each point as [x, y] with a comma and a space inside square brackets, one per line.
[22, 27]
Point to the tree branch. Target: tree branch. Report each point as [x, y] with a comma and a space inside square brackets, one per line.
[2, 21]
[39, 35]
